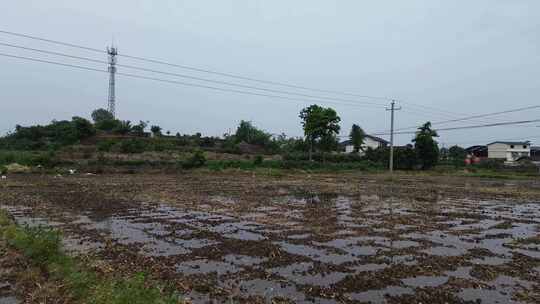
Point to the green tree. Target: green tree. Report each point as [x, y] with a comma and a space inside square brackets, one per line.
[156, 130]
[318, 122]
[247, 132]
[426, 147]
[357, 137]
[83, 127]
[107, 125]
[123, 127]
[139, 128]
[457, 154]
[328, 143]
[443, 153]
[100, 115]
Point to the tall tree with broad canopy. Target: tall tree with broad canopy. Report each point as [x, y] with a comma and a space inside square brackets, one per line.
[357, 137]
[427, 149]
[319, 122]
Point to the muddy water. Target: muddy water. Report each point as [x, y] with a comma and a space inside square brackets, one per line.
[325, 248]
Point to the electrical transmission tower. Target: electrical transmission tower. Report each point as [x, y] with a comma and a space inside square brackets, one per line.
[112, 51]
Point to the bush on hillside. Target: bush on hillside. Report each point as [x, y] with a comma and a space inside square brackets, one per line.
[106, 145]
[196, 160]
[132, 146]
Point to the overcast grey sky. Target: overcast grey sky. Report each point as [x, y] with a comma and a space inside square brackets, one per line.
[466, 57]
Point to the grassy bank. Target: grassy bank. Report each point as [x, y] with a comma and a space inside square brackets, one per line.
[72, 280]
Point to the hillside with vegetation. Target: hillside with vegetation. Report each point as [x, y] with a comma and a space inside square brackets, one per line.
[106, 144]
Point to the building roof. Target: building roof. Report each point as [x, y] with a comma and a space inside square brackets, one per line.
[476, 148]
[517, 143]
[375, 138]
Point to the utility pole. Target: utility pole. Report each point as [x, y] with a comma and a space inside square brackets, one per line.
[392, 109]
[112, 51]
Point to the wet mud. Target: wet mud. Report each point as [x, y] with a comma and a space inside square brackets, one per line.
[256, 240]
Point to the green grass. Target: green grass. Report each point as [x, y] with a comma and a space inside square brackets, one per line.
[42, 246]
[218, 165]
[27, 158]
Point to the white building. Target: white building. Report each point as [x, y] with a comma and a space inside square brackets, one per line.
[372, 142]
[508, 150]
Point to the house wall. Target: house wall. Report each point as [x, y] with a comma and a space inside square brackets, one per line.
[505, 151]
[368, 143]
[497, 150]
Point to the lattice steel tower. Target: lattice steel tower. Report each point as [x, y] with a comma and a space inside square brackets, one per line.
[112, 51]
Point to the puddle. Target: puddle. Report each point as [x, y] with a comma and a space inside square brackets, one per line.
[445, 251]
[9, 300]
[369, 267]
[485, 296]
[351, 237]
[402, 260]
[529, 253]
[502, 292]
[316, 253]
[494, 261]
[461, 273]
[378, 296]
[243, 260]
[425, 281]
[299, 236]
[303, 273]
[398, 244]
[205, 266]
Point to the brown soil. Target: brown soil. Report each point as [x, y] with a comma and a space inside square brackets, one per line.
[300, 238]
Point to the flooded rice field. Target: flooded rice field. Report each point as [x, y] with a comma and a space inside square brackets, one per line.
[290, 243]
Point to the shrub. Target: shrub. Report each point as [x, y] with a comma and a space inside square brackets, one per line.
[196, 160]
[491, 164]
[132, 146]
[105, 145]
[46, 159]
[160, 145]
[258, 160]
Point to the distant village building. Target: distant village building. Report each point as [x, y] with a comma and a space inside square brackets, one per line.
[535, 154]
[510, 151]
[478, 151]
[370, 141]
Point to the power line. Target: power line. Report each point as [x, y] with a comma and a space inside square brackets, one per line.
[231, 75]
[437, 111]
[478, 116]
[181, 75]
[472, 118]
[471, 127]
[156, 61]
[179, 82]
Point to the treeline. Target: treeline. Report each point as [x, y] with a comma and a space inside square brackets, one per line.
[124, 137]
[320, 142]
